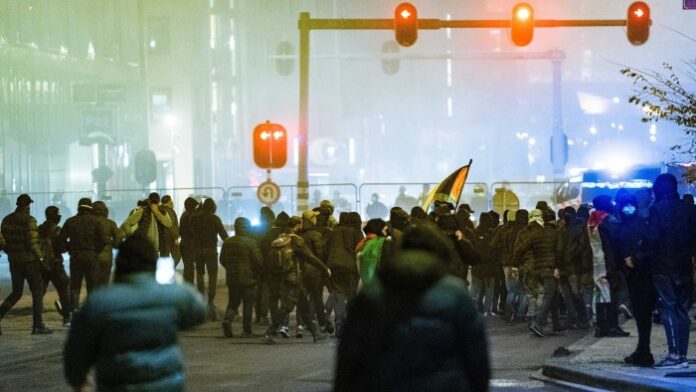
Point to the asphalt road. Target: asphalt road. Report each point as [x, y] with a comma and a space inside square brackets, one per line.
[217, 364]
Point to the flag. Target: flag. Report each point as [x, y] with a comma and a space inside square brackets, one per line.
[450, 189]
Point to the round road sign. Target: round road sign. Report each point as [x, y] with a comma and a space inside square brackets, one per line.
[268, 193]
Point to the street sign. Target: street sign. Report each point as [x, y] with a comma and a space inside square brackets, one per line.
[268, 193]
[690, 4]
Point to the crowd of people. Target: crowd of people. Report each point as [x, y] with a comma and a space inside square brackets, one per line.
[411, 285]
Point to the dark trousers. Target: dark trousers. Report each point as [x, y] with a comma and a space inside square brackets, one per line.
[104, 264]
[548, 300]
[643, 296]
[314, 288]
[581, 289]
[290, 294]
[31, 272]
[673, 299]
[274, 299]
[188, 256]
[237, 295]
[262, 294]
[61, 282]
[207, 259]
[83, 266]
[345, 283]
[569, 300]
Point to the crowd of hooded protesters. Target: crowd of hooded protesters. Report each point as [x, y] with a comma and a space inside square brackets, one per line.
[410, 286]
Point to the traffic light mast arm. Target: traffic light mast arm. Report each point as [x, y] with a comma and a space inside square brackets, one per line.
[435, 24]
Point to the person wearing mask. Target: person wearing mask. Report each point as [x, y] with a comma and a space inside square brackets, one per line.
[207, 227]
[634, 260]
[671, 233]
[128, 331]
[504, 243]
[84, 237]
[342, 261]
[241, 257]
[543, 242]
[26, 261]
[414, 297]
[105, 258]
[149, 220]
[49, 231]
[187, 245]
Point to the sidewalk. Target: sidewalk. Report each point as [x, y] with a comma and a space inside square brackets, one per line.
[598, 362]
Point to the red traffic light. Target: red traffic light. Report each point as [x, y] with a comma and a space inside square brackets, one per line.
[522, 26]
[406, 24]
[270, 146]
[638, 23]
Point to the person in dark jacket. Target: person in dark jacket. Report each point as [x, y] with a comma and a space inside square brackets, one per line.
[417, 329]
[206, 228]
[543, 243]
[83, 237]
[170, 245]
[187, 245]
[273, 277]
[312, 277]
[241, 257]
[671, 233]
[483, 274]
[26, 261]
[342, 261]
[266, 223]
[465, 254]
[577, 260]
[634, 259]
[128, 331]
[149, 219]
[504, 243]
[49, 231]
[106, 257]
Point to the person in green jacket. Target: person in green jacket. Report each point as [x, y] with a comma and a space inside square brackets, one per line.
[128, 331]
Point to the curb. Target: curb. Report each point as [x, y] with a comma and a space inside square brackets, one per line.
[561, 369]
[31, 358]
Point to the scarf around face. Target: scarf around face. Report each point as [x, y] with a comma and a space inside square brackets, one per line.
[596, 218]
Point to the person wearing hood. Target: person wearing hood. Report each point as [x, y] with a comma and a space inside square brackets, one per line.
[483, 273]
[187, 244]
[376, 209]
[274, 277]
[671, 233]
[241, 257]
[465, 254]
[540, 238]
[414, 298]
[634, 260]
[398, 223]
[267, 220]
[170, 244]
[372, 249]
[207, 227]
[84, 237]
[602, 227]
[312, 277]
[105, 258]
[150, 221]
[26, 261]
[504, 243]
[49, 232]
[342, 261]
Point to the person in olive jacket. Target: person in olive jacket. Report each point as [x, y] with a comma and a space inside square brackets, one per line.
[128, 331]
[26, 261]
[416, 328]
[241, 257]
[114, 235]
[49, 231]
[312, 278]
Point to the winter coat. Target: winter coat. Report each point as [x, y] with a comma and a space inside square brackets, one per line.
[241, 257]
[671, 235]
[83, 233]
[152, 224]
[544, 245]
[504, 242]
[206, 227]
[576, 256]
[129, 332]
[341, 246]
[21, 236]
[416, 329]
[186, 229]
[488, 266]
[631, 236]
[49, 231]
[171, 234]
[2, 243]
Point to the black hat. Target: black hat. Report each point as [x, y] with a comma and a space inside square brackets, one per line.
[24, 200]
[154, 198]
[85, 202]
[603, 203]
[466, 207]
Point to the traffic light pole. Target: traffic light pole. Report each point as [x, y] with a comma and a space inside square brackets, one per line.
[307, 24]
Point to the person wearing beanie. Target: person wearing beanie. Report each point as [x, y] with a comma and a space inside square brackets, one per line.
[49, 232]
[602, 227]
[540, 238]
[671, 233]
[83, 237]
[128, 331]
[187, 244]
[105, 257]
[26, 261]
[207, 228]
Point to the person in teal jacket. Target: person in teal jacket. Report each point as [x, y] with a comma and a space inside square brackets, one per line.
[128, 331]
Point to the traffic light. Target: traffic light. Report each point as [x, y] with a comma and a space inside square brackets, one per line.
[406, 24]
[270, 146]
[390, 66]
[145, 167]
[522, 26]
[638, 23]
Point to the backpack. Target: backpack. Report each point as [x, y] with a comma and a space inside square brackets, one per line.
[46, 247]
[282, 253]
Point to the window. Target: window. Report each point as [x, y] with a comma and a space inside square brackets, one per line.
[158, 36]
